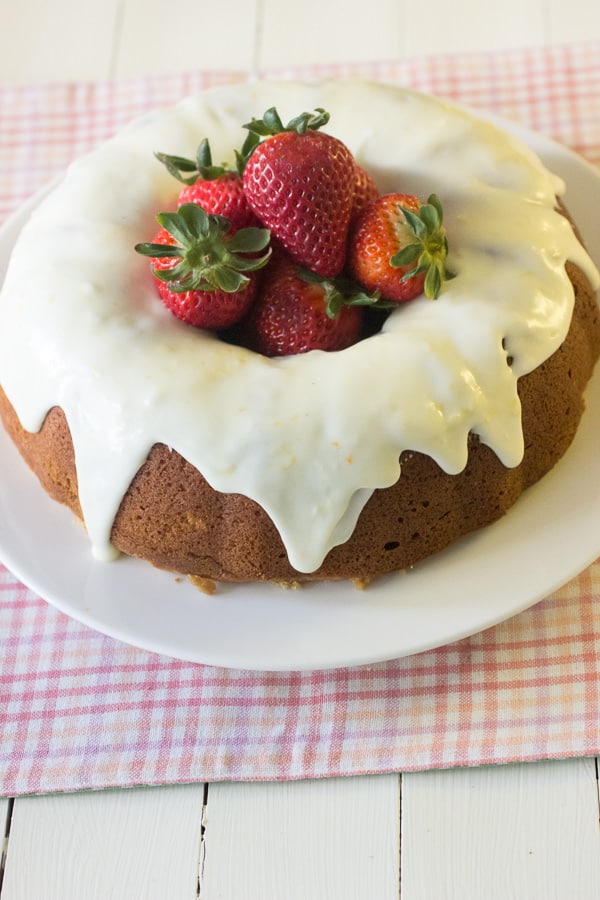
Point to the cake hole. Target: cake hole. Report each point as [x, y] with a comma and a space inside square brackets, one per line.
[415, 536]
[391, 545]
[401, 520]
[425, 503]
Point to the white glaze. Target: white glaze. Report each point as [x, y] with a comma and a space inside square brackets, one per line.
[308, 437]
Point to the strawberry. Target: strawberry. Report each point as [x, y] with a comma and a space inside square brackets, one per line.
[217, 189]
[365, 191]
[399, 247]
[300, 183]
[298, 311]
[202, 272]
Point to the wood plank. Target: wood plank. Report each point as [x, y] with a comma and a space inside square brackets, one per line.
[320, 839]
[314, 32]
[117, 844]
[577, 20]
[471, 26]
[497, 832]
[155, 37]
[59, 41]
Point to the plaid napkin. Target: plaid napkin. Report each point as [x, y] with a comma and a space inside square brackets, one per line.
[81, 710]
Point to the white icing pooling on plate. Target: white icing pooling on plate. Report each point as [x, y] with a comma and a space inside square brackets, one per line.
[308, 437]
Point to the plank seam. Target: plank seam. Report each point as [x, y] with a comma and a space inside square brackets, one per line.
[117, 34]
[5, 836]
[597, 788]
[400, 842]
[202, 847]
[258, 36]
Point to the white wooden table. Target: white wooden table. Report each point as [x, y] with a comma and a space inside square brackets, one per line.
[528, 832]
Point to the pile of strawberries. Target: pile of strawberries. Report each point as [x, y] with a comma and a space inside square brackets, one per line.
[288, 251]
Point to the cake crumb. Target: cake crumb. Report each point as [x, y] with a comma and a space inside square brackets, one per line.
[361, 583]
[288, 585]
[205, 585]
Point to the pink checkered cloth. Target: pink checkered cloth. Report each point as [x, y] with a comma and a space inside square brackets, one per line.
[81, 710]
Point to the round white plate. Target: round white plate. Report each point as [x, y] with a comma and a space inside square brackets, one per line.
[551, 534]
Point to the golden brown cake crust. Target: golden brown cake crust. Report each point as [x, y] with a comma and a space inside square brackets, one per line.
[174, 519]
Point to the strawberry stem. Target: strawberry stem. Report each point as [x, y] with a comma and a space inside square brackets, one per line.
[189, 171]
[429, 250]
[271, 123]
[210, 257]
[343, 291]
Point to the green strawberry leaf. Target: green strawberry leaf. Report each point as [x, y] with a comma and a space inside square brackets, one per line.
[178, 274]
[415, 222]
[229, 280]
[242, 156]
[406, 256]
[154, 250]
[430, 217]
[433, 282]
[250, 240]
[176, 225]
[177, 166]
[434, 201]
[189, 171]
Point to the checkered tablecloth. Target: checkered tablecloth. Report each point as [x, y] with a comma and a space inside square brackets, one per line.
[79, 710]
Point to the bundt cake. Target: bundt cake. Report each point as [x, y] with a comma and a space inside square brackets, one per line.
[211, 459]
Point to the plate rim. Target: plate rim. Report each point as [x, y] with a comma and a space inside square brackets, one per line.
[38, 582]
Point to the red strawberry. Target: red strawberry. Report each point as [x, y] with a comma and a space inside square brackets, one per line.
[300, 183]
[202, 272]
[399, 247]
[293, 314]
[223, 196]
[365, 191]
[217, 189]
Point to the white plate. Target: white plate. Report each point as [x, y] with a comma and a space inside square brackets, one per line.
[551, 534]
